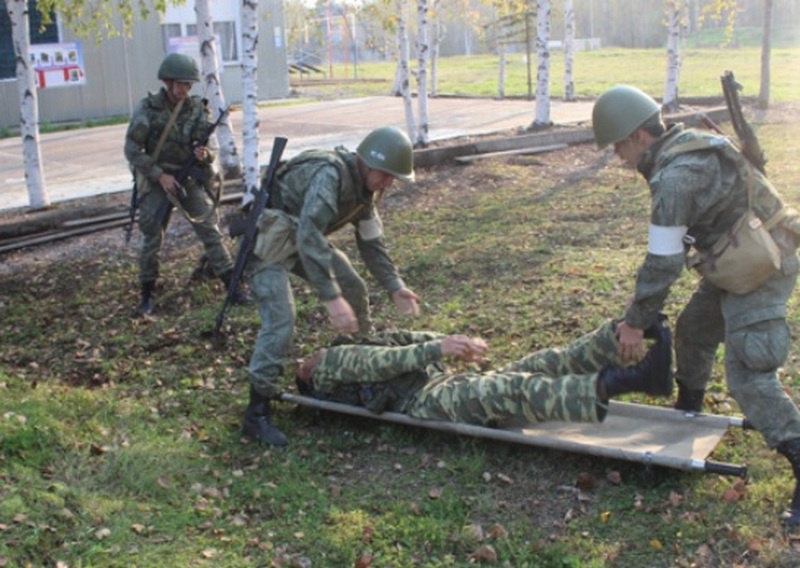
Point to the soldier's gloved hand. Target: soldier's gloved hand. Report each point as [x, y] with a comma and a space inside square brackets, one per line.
[406, 302]
[341, 315]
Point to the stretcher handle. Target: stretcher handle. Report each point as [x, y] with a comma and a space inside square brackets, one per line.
[725, 468]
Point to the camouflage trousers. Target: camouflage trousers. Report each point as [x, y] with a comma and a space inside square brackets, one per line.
[197, 204]
[757, 339]
[272, 291]
[549, 385]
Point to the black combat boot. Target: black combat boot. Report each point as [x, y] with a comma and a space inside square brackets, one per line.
[257, 423]
[651, 375]
[241, 297]
[689, 400]
[791, 449]
[147, 302]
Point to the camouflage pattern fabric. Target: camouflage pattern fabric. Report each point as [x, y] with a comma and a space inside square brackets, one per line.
[552, 384]
[144, 130]
[705, 192]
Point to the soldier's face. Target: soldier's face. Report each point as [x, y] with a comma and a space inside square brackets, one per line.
[626, 150]
[178, 90]
[378, 181]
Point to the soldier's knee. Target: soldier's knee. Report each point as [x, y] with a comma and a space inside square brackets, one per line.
[762, 346]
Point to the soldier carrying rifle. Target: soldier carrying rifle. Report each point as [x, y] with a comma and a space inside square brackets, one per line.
[713, 209]
[166, 146]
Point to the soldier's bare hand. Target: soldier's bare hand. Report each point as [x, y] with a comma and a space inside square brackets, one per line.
[631, 343]
[470, 349]
[406, 302]
[341, 315]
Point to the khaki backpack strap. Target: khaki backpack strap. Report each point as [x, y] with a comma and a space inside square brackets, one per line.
[170, 123]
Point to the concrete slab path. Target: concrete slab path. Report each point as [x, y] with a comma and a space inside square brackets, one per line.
[84, 162]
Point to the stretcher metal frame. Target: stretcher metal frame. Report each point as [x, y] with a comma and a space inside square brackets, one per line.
[650, 435]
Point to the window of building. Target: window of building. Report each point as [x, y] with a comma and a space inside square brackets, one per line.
[48, 34]
[181, 21]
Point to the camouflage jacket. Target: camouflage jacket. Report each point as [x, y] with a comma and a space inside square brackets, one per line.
[379, 373]
[703, 190]
[324, 191]
[146, 126]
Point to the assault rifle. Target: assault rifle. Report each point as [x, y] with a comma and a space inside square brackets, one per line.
[250, 232]
[748, 142]
[192, 169]
[132, 209]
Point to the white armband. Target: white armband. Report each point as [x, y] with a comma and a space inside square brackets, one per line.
[666, 241]
[370, 229]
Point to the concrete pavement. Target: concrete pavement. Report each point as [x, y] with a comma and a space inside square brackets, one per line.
[80, 163]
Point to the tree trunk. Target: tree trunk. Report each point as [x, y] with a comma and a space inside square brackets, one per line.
[674, 16]
[435, 37]
[501, 70]
[543, 68]
[569, 50]
[404, 73]
[29, 106]
[250, 99]
[422, 73]
[766, 50]
[228, 153]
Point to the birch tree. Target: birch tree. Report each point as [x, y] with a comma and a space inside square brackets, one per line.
[766, 49]
[423, 50]
[569, 50]
[404, 73]
[543, 69]
[250, 151]
[228, 153]
[29, 105]
[435, 36]
[675, 20]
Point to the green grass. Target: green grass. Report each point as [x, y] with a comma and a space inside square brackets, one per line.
[594, 71]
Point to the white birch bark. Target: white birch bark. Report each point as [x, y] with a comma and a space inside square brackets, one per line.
[435, 37]
[543, 68]
[228, 153]
[423, 50]
[674, 11]
[250, 152]
[766, 50]
[501, 70]
[569, 50]
[404, 72]
[29, 106]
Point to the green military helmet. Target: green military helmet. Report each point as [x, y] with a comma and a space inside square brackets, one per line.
[178, 67]
[619, 111]
[388, 149]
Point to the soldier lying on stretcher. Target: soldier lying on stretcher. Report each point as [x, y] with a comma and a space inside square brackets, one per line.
[403, 372]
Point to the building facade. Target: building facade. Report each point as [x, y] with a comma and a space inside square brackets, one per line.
[116, 72]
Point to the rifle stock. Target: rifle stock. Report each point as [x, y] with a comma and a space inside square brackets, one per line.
[748, 141]
[250, 233]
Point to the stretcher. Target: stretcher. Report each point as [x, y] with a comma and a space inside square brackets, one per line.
[650, 435]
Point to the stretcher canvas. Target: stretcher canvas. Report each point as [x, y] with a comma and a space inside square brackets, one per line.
[634, 432]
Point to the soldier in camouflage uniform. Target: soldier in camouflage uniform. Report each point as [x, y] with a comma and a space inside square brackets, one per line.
[155, 157]
[696, 197]
[315, 194]
[402, 372]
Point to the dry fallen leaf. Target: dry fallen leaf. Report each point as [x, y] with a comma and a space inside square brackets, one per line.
[504, 478]
[655, 543]
[485, 553]
[366, 535]
[614, 477]
[100, 534]
[605, 515]
[435, 493]
[586, 481]
[730, 495]
[675, 498]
